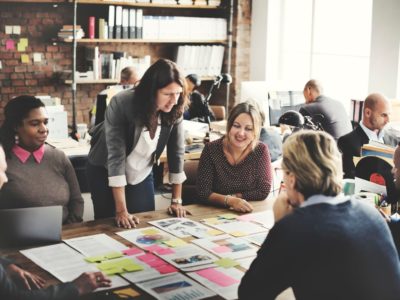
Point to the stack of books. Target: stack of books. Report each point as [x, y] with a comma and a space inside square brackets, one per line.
[67, 32]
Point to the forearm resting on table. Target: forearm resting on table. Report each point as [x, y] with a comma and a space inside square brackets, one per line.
[119, 199]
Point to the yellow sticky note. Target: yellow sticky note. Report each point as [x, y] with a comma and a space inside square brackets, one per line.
[133, 268]
[228, 216]
[211, 221]
[150, 231]
[25, 59]
[112, 255]
[113, 271]
[237, 233]
[127, 292]
[214, 232]
[107, 265]
[93, 259]
[227, 263]
[24, 41]
[20, 47]
[175, 243]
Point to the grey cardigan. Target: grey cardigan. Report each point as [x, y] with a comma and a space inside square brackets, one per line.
[117, 136]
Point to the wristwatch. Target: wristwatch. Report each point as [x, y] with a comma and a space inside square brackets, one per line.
[176, 201]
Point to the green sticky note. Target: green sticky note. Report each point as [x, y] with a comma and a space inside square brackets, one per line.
[113, 271]
[150, 231]
[228, 216]
[227, 263]
[112, 255]
[93, 259]
[175, 243]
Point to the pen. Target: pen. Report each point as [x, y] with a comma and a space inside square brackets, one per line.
[383, 214]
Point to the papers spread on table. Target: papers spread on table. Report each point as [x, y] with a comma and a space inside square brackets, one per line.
[182, 227]
[227, 246]
[177, 286]
[229, 223]
[264, 218]
[223, 281]
[65, 263]
[257, 238]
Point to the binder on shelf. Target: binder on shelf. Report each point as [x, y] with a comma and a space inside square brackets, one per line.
[125, 23]
[92, 21]
[139, 23]
[118, 22]
[101, 29]
[132, 23]
[111, 21]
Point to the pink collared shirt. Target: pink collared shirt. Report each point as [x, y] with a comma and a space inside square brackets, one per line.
[23, 155]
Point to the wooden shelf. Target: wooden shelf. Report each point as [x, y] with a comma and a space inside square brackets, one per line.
[32, 1]
[143, 41]
[145, 5]
[92, 81]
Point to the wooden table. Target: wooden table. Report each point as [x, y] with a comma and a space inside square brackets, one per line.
[107, 226]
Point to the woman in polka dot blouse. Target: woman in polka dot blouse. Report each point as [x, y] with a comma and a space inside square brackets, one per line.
[237, 167]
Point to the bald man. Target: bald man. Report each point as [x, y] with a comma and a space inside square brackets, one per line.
[334, 118]
[376, 114]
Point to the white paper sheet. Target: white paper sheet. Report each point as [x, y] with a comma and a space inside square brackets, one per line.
[65, 263]
[175, 287]
[182, 227]
[230, 291]
[97, 244]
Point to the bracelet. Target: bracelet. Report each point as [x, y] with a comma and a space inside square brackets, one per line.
[226, 200]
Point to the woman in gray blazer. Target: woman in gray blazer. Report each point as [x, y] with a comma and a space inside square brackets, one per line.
[138, 124]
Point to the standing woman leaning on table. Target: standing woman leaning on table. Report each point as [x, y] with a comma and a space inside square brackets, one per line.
[237, 167]
[138, 124]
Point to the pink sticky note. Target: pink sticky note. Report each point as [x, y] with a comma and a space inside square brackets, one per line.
[10, 45]
[154, 248]
[156, 263]
[165, 269]
[165, 251]
[132, 251]
[221, 249]
[246, 217]
[217, 277]
[147, 257]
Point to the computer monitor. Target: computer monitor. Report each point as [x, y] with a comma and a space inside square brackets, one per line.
[258, 92]
[282, 101]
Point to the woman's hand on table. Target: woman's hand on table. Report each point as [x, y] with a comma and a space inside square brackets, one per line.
[126, 220]
[239, 204]
[178, 210]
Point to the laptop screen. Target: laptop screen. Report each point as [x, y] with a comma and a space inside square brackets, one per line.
[30, 226]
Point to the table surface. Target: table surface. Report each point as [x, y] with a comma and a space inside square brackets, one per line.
[107, 226]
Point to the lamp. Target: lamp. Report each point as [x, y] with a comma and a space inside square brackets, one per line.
[292, 118]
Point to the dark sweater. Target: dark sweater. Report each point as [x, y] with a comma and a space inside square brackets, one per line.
[252, 176]
[325, 251]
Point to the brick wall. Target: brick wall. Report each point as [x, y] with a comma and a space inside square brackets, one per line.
[40, 23]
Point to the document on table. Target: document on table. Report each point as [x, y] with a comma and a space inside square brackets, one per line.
[264, 218]
[224, 281]
[97, 244]
[257, 238]
[227, 246]
[174, 287]
[182, 227]
[235, 227]
[65, 263]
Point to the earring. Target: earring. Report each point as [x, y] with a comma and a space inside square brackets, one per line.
[16, 141]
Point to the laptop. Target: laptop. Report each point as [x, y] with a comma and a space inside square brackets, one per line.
[30, 226]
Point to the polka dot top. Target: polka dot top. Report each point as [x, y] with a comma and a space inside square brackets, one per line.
[252, 177]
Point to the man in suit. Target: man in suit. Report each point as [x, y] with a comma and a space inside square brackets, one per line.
[330, 113]
[376, 114]
[17, 283]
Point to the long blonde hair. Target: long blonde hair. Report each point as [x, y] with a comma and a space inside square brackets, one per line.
[315, 161]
